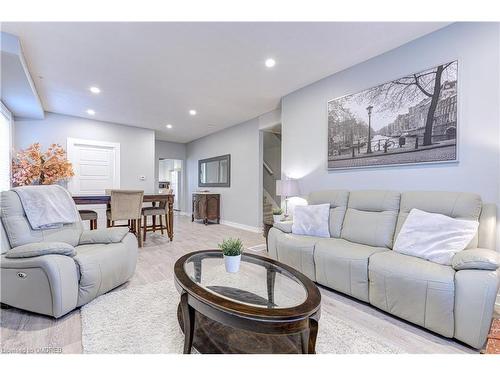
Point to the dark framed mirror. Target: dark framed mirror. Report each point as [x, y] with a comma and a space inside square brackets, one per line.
[215, 172]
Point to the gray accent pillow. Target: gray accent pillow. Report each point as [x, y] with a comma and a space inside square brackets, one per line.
[36, 249]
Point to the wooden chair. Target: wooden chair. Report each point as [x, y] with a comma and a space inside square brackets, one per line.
[126, 205]
[90, 216]
[160, 211]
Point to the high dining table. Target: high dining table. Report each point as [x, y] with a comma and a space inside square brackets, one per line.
[148, 198]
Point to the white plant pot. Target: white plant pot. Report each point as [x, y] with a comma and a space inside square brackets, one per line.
[232, 263]
[276, 218]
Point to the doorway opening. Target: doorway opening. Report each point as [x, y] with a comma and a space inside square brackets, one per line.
[170, 177]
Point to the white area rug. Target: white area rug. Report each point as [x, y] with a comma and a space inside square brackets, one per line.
[144, 320]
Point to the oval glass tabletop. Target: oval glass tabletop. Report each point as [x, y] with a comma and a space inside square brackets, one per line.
[257, 283]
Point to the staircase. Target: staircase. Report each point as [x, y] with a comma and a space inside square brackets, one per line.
[268, 205]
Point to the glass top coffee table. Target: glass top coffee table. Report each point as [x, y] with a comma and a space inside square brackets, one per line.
[265, 307]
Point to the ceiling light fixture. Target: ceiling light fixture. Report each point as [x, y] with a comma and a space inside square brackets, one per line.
[95, 90]
[169, 126]
[270, 63]
[192, 112]
[91, 112]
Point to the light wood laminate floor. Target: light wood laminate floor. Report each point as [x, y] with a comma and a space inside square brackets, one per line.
[22, 331]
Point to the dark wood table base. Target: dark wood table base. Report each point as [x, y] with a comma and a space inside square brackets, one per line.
[211, 337]
[223, 318]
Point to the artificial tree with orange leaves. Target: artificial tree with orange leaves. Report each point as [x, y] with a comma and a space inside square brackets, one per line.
[32, 166]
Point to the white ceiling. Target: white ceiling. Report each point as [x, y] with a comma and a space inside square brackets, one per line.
[151, 74]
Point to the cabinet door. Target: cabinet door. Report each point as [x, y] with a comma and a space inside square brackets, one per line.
[213, 207]
[199, 206]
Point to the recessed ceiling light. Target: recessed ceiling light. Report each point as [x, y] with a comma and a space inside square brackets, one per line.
[192, 112]
[95, 90]
[169, 126]
[91, 112]
[270, 63]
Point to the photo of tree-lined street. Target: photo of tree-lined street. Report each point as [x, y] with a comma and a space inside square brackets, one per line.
[412, 119]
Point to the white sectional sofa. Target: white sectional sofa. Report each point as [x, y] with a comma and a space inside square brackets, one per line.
[456, 302]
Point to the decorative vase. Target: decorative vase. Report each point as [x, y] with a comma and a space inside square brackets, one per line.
[232, 263]
[276, 218]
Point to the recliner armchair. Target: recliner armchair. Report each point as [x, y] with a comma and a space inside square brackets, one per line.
[51, 283]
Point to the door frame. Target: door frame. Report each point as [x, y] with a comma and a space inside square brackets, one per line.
[71, 154]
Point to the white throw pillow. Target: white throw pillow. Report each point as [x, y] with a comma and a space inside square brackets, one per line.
[434, 237]
[312, 220]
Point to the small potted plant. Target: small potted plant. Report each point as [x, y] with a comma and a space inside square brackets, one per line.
[232, 249]
[277, 212]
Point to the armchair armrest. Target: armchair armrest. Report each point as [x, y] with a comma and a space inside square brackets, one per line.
[103, 236]
[36, 249]
[284, 226]
[46, 284]
[476, 259]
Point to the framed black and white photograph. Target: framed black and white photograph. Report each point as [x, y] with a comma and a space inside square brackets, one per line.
[409, 120]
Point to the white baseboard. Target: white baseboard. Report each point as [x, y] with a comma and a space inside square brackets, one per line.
[242, 226]
[184, 213]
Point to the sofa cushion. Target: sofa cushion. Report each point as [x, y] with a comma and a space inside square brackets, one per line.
[338, 204]
[297, 252]
[456, 205]
[371, 217]
[19, 231]
[103, 267]
[343, 266]
[414, 289]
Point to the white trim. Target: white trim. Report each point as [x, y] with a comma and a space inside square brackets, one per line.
[70, 150]
[5, 112]
[242, 226]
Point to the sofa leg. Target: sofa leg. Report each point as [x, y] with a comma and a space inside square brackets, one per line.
[4, 306]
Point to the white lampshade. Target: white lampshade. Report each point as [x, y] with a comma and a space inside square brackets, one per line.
[289, 188]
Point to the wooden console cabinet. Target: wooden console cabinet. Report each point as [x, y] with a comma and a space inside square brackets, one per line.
[206, 206]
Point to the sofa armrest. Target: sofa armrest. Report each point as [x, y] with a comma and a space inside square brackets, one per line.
[103, 236]
[36, 249]
[284, 226]
[475, 295]
[476, 259]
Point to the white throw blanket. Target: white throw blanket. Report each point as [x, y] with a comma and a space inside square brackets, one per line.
[47, 206]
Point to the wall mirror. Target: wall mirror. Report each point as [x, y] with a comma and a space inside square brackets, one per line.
[215, 172]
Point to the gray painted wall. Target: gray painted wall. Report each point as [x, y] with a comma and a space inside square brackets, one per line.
[242, 202]
[476, 46]
[137, 145]
[172, 150]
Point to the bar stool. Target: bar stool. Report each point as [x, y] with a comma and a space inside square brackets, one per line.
[90, 216]
[126, 205]
[160, 211]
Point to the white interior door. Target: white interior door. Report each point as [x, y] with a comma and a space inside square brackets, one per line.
[174, 185]
[97, 168]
